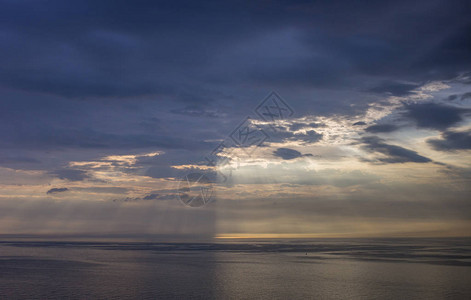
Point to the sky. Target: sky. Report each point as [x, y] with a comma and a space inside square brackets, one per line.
[305, 118]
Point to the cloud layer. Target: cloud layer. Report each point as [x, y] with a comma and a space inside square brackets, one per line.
[106, 105]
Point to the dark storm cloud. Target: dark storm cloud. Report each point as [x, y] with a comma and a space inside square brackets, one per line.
[85, 48]
[381, 128]
[452, 53]
[286, 153]
[392, 153]
[452, 141]
[57, 190]
[434, 115]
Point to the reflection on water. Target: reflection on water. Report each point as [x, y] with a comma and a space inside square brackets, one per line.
[320, 269]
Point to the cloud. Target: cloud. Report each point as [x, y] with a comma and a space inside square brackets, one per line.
[103, 190]
[452, 141]
[57, 190]
[149, 197]
[381, 128]
[394, 88]
[294, 172]
[95, 56]
[391, 153]
[59, 138]
[434, 116]
[287, 153]
[311, 136]
[452, 97]
[161, 172]
[295, 126]
[291, 131]
[81, 87]
[70, 174]
[466, 96]
[195, 111]
[451, 54]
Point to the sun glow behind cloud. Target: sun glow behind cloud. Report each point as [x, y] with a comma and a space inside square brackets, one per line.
[317, 176]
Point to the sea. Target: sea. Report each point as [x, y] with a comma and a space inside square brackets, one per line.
[237, 269]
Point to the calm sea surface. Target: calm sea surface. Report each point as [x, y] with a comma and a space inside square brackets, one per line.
[275, 269]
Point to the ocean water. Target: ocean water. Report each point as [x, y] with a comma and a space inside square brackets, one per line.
[247, 269]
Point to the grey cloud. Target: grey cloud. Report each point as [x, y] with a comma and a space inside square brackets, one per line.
[281, 134]
[466, 96]
[105, 190]
[287, 153]
[49, 138]
[452, 141]
[434, 115]
[57, 190]
[68, 51]
[149, 197]
[460, 97]
[452, 97]
[457, 173]
[393, 153]
[452, 53]
[195, 111]
[95, 56]
[381, 128]
[70, 174]
[18, 161]
[394, 88]
[310, 136]
[161, 172]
